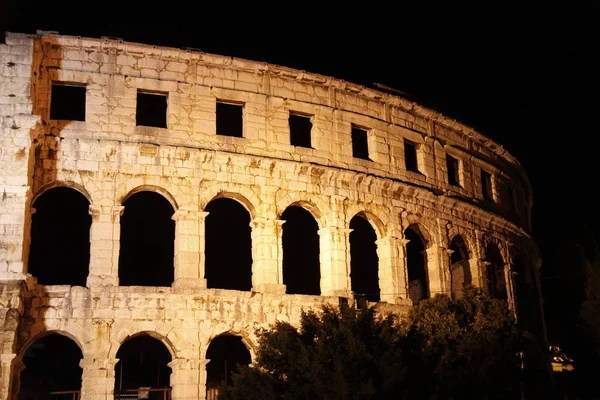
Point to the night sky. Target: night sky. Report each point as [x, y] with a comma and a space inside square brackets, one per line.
[519, 74]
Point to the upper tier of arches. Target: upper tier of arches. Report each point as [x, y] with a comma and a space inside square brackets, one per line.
[397, 139]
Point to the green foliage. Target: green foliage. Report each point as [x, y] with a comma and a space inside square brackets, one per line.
[466, 348]
[336, 354]
[444, 350]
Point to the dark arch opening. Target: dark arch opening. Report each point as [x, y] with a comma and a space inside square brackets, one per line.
[416, 262]
[59, 253]
[364, 263]
[301, 264]
[143, 363]
[228, 246]
[460, 270]
[147, 241]
[51, 365]
[226, 353]
[527, 301]
[495, 272]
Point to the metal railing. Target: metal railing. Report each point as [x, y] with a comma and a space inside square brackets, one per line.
[66, 395]
[144, 393]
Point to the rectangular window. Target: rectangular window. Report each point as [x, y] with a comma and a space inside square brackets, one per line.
[511, 199]
[67, 102]
[151, 109]
[360, 145]
[452, 165]
[486, 185]
[300, 129]
[410, 156]
[230, 119]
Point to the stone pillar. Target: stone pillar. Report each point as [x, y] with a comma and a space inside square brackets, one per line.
[202, 378]
[16, 171]
[478, 269]
[267, 255]
[185, 379]
[334, 245]
[98, 378]
[10, 374]
[392, 271]
[105, 239]
[189, 249]
[435, 264]
[511, 297]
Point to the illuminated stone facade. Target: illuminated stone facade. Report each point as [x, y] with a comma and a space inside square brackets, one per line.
[107, 157]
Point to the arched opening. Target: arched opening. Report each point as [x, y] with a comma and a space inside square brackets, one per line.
[226, 353]
[364, 263]
[147, 241]
[59, 253]
[527, 302]
[142, 369]
[301, 267]
[228, 246]
[51, 369]
[496, 281]
[460, 270]
[416, 262]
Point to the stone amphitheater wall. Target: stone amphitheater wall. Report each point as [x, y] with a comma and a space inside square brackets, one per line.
[108, 158]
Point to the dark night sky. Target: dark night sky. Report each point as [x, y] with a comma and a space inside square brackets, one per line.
[521, 75]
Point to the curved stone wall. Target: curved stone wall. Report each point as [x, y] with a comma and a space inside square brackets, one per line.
[108, 157]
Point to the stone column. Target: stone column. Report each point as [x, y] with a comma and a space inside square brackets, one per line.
[185, 377]
[189, 249]
[392, 273]
[98, 378]
[511, 297]
[267, 255]
[10, 374]
[334, 245]
[478, 269]
[202, 378]
[435, 264]
[105, 238]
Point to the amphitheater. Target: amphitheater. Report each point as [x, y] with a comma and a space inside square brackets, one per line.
[160, 205]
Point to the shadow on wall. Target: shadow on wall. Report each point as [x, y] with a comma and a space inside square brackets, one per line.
[56, 240]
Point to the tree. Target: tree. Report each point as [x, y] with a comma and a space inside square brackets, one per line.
[443, 349]
[467, 348]
[337, 354]
[588, 354]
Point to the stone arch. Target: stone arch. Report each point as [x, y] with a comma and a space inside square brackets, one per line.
[151, 188]
[59, 247]
[244, 195]
[301, 263]
[228, 262]
[50, 363]
[526, 298]
[423, 226]
[502, 245]
[467, 236]
[494, 273]
[39, 335]
[225, 352]
[312, 203]
[417, 262]
[250, 344]
[379, 219]
[147, 240]
[69, 184]
[460, 271]
[127, 332]
[143, 361]
[364, 259]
